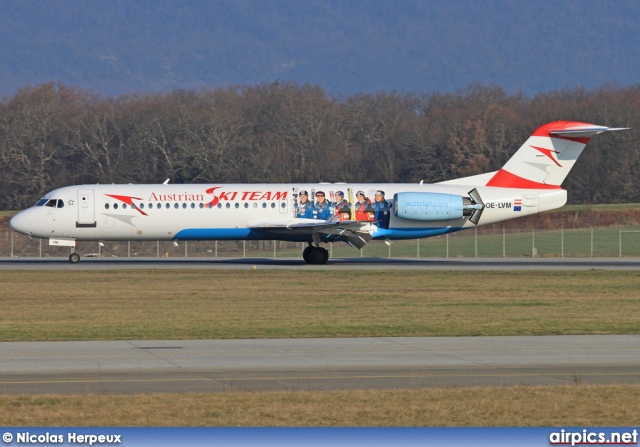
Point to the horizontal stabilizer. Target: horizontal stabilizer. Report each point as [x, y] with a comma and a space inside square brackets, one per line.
[584, 131]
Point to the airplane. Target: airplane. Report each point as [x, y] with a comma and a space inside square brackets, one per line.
[314, 213]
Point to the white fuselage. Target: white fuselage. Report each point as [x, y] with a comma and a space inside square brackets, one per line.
[242, 211]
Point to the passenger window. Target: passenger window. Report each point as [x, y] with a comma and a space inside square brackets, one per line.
[246, 205]
[264, 205]
[184, 206]
[176, 206]
[168, 206]
[115, 206]
[124, 206]
[237, 205]
[106, 206]
[201, 206]
[273, 204]
[158, 206]
[141, 206]
[228, 205]
[193, 205]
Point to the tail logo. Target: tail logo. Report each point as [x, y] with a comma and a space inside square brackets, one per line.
[548, 153]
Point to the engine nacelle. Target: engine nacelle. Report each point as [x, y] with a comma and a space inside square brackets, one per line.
[432, 206]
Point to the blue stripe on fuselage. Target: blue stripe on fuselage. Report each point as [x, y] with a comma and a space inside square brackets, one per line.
[213, 234]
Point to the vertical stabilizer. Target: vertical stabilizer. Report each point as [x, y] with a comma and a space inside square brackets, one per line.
[545, 159]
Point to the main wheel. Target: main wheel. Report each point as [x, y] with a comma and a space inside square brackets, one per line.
[74, 258]
[319, 255]
[306, 253]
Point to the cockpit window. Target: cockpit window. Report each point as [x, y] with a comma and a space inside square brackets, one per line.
[53, 203]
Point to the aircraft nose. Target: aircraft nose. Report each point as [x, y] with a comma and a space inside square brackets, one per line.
[20, 223]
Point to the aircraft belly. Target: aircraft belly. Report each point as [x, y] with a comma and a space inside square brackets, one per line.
[413, 233]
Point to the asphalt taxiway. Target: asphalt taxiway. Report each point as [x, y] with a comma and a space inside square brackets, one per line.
[121, 367]
[333, 264]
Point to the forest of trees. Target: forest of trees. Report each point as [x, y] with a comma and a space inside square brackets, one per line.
[54, 135]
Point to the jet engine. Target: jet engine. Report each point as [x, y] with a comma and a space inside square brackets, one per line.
[433, 206]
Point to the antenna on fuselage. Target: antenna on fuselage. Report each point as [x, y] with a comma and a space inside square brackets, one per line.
[166, 182]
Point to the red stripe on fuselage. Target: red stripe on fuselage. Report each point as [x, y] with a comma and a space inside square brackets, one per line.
[505, 179]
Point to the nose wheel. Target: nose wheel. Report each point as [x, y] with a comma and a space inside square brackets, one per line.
[315, 255]
[74, 258]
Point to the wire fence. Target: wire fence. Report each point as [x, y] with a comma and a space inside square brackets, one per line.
[482, 242]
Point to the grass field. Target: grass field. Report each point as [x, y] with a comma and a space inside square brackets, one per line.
[182, 304]
[577, 405]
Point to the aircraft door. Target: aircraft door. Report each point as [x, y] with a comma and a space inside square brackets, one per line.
[86, 209]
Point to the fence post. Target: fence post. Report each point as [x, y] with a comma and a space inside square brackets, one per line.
[533, 242]
[447, 245]
[12, 243]
[40, 246]
[216, 249]
[620, 242]
[475, 242]
[244, 249]
[186, 244]
[417, 248]
[504, 243]
[592, 242]
[128, 249]
[562, 242]
[274, 249]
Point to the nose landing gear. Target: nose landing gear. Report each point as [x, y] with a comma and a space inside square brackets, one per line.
[315, 255]
[74, 258]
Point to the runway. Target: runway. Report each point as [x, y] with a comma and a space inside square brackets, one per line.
[333, 264]
[125, 367]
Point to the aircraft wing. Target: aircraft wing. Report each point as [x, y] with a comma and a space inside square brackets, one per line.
[356, 233]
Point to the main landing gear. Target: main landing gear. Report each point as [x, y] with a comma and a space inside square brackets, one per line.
[315, 255]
